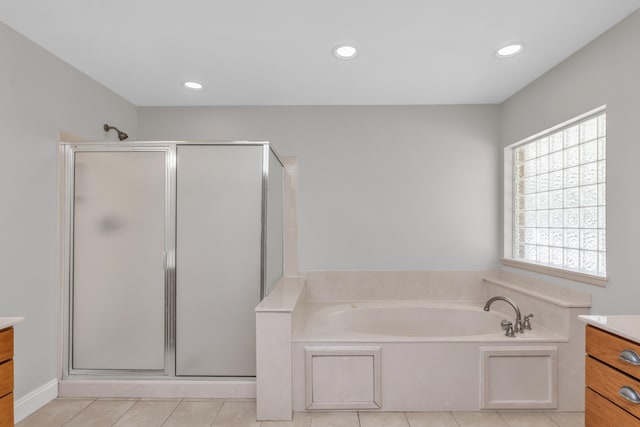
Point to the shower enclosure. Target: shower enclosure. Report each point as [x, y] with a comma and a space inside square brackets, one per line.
[168, 249]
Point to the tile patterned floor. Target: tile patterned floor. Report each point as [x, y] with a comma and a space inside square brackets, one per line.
[242, 413]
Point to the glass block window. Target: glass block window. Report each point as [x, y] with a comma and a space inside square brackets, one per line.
[559, 197]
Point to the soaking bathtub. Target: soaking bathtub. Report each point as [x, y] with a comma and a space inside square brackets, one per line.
[406, 321]
[407, 355]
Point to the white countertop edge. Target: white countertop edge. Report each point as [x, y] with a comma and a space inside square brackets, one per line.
[6, 322]
[625, 326]
[284, 296]
[490, 338]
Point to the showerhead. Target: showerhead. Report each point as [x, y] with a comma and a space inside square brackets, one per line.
[121, 135]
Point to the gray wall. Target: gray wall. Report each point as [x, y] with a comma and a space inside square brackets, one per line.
[40, 97]
[381, 188]
[606, 71]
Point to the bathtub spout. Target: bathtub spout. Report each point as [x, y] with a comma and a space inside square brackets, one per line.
[518, 326]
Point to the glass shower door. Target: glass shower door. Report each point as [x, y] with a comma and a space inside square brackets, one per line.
[118, 315]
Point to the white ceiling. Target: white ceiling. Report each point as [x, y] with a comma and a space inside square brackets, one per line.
[278, 52]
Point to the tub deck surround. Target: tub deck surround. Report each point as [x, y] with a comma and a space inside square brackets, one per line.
[284, 296]
[554, 308]
[556, 295]
[321, 339]
[276, 317]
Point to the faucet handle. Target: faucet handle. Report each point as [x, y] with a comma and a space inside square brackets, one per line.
[527, 323]
[508, 327]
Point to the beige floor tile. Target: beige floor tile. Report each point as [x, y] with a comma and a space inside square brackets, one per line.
[383, 419]
[479, 419]
[148, 413]
[135, 399]
[567, 419]
[334, 419]
[194, 414]
[300, 419]
[527, 419]
[55, 413]
[237, 413]
[161, 399]
[101, 413]
[431, 419]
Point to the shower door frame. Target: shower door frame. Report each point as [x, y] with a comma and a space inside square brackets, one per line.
[67, 153]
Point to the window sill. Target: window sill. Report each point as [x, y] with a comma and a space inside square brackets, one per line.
[557, 272]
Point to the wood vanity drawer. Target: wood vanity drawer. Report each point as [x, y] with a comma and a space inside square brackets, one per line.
[6, 378]
[6, 411]
[607, 381]
[607, 348]
[599, 412]
[6, 344]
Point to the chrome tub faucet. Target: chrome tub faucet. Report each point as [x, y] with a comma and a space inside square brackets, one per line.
[518, 323]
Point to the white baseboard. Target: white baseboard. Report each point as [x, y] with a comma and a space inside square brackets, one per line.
[158, 388]
[35, 400]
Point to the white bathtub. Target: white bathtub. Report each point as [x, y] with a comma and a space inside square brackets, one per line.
[406, 321]
[394, 355]
[341, 341]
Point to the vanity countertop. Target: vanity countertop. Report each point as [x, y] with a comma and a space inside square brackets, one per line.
[626, 326]
[6, 322]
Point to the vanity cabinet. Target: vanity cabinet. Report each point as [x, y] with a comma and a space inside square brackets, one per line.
[612, 395]
[6, 377]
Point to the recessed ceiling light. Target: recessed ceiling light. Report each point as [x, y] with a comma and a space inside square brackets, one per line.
[345, 51]
[193, 85]
[510, 50]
